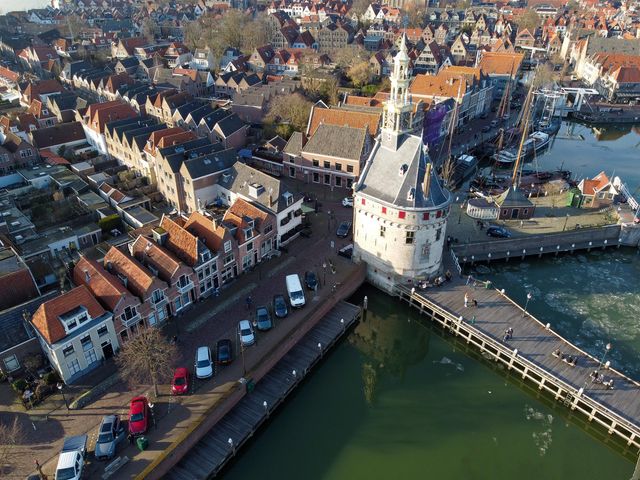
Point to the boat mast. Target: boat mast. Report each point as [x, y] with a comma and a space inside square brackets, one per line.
[448, 167]
[526, 114]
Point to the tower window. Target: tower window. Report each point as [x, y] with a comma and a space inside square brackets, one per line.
[402, 214]
[383, 230]
[384, 209]
[409, 238]
[425, 216]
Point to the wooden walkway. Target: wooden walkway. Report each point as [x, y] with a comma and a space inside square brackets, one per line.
[538, 245]
[530, 353]
[218, 446]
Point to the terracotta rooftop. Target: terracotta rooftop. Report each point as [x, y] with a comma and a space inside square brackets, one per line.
[47, 318]
[149, 253]
[105, 286]
[438, 86]
[139, 279]
[206, 229]
[348, 118]
[16, 287]
[500, 63]
[180, 241]
[99, 114]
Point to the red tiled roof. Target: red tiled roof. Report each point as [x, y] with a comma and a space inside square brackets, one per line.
[180, 241]
[16, 288]
[104, 286]
[205, 228]
[99, 114]
[334, 116]
[139, 279]
[150, 253]
[47, 318]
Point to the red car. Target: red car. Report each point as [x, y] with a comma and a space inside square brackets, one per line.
[138, 415]
[180, 382]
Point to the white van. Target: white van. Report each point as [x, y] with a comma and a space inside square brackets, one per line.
[295, 291]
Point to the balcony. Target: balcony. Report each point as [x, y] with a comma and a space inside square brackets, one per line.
[158, 302]
[185, 287]
[128, 322]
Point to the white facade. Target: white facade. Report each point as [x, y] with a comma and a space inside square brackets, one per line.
[400, 207]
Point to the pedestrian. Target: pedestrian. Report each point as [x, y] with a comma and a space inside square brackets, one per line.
[473, 320]
[466, 299]
[130, 437]
[468, 280]
[475, 303]
[249, 302]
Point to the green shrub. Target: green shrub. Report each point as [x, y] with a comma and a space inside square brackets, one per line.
[51, 378]
[110, 222]
[19, 385]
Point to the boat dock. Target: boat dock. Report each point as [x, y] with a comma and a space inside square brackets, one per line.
[229, 434]
[535, 352]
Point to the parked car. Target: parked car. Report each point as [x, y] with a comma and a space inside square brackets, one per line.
[71, 459]
[263, 319]
[343, 229]
[204, 366]
[486, 129]
[311, 280]
[110, 433]
[500, 232]
[245, 331]
[138, 415]
[224, 353]
[280, 309]
[347, 202]
[180, 382]
[295, 291]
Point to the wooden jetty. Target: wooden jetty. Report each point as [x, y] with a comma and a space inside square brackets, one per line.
[531, 353]
[539, 245]
[222, 442]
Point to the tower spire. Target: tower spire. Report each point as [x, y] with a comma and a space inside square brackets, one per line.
[397, 111]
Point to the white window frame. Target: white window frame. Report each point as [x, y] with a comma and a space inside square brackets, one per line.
[8, 361]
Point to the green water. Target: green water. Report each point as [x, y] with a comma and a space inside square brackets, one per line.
[396, 400]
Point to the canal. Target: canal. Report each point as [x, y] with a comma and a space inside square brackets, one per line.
[397, 400]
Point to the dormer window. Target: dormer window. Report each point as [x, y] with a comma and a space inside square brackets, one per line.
[205, 256]
[74, 318]
[248, 233]
[227, 246]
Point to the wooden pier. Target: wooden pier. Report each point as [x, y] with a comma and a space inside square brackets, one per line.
[222, 442]
[539, 245]
[530, 353]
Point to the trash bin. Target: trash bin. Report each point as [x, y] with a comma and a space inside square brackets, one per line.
[142, 443]
[250, 386]
[487, 284]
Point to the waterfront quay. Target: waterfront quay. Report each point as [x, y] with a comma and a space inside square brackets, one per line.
[229, 434]
[546, 244]
[534, 351]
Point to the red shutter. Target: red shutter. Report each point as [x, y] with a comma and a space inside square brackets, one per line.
[384, 209]
[425, 216]
[363, 201]
[401, 214]
[438, 213]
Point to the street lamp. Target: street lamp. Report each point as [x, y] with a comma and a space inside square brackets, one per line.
[60, 386]
[342, 323]
[324, 274]
[266, 407]
[320, 348]
[232, 445]
[460, 213]
[566, 219]
[604, 355]
[244, 368]
[524, 312]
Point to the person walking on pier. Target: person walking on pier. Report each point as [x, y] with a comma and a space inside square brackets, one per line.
[475, 303]
[466, 299]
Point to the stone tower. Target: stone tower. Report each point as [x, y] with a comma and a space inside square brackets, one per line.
[400, 207]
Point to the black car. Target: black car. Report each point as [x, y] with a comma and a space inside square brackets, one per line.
[343, 229]
[500, 232]
[311, 280]
[280, 309]
[224, 353]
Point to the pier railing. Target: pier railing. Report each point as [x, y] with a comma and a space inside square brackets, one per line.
[572, 396]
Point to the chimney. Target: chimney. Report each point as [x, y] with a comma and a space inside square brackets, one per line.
[426, 185]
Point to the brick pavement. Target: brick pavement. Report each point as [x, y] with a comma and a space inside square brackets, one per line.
[47, 425]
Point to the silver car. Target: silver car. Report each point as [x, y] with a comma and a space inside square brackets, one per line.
[110, 433]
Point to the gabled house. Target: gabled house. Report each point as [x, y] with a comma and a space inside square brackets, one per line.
[112, 295]
[75, 332]
[599, 191]
[98, 115]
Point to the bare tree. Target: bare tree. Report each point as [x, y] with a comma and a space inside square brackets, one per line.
[415, 13]
[11, 435]
[292, 109]
[149, 28]
[147, 358]
[360, 73]
[359, 7]
[529, 20]
[255, 34]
